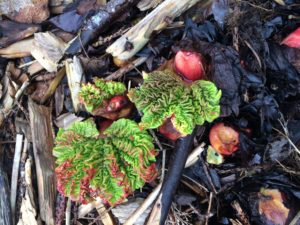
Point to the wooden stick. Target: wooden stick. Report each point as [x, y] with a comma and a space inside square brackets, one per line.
[43, 142]
[126, 68]
[53, 85]
[137, 37]
[15, 174]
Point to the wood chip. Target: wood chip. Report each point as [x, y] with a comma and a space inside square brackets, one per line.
[48, 50]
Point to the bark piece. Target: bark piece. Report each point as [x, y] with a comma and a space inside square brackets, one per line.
[17, 50]
[138, 36]
[12, 32]
[25, 11]
[43, 142]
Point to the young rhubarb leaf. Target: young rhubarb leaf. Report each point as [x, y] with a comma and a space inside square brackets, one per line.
[110, 168]
[95, 95]
[164, 95]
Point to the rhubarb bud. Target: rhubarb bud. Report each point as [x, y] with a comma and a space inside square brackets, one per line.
[224, 139]
[189, 65]
[117, 103]
[293, 39]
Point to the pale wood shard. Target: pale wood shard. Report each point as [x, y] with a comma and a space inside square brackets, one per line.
[15, 173]
[43, 142]
[17, 50]
[75, 78]
[138, 36]
[48, 50]
[104, 214]
[148, 4]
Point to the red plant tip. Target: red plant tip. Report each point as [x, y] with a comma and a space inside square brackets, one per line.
[189, 65]
[117, 103]
[293, 39]
[169, 131]
[224, 139]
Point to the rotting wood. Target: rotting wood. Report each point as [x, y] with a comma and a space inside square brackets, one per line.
[43, 142]
[137, 37]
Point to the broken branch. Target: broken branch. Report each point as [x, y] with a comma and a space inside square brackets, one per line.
[138, 36]
[98, 22]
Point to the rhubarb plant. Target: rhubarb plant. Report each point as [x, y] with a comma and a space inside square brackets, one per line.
[106, 99]
[110, 168]
[165, 96]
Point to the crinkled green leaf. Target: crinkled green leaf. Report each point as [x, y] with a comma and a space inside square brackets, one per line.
[111, 167]
[164, 95]
[93, 95]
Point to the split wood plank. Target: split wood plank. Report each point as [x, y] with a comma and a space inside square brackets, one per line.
[43, 142]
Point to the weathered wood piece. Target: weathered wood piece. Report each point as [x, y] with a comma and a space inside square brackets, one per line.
[43, 142]
[48, 50]
[138, 36]
[75, 77]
